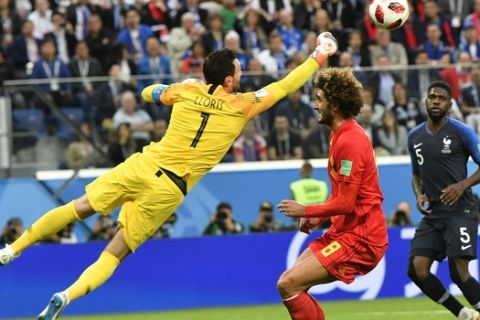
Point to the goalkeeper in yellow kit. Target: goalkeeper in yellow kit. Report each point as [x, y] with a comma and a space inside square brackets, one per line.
[151, 185]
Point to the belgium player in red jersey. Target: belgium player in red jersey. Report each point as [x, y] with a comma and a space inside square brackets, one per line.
[357, 239]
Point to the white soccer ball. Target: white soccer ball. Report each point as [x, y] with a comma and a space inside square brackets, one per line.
[388, 14]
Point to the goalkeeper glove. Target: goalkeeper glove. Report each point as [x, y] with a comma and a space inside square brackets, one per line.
[326, 47]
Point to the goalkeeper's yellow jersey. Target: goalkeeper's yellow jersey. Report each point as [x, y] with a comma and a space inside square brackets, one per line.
[203, 126]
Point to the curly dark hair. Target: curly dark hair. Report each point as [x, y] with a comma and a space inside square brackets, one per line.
[341, 90]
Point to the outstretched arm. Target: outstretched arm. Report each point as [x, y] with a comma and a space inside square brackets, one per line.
[268, 96]
[343, 203]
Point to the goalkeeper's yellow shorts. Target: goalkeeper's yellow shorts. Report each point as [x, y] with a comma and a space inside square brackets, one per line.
[148, 197]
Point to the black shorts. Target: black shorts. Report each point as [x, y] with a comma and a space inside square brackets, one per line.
[446, 237]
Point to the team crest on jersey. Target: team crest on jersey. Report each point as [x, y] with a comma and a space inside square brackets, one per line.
[260, 94]
[446, 145]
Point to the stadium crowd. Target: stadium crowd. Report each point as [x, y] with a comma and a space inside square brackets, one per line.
[136, 43]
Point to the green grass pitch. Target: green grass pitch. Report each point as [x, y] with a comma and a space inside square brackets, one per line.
[383, 309]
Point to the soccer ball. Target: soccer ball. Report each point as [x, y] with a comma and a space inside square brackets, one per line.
[388, 14]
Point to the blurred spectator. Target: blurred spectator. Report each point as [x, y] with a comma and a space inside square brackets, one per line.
[232, 42]
[368, 28]
[317, 143]
[223, 222]
[256, 78]
[474, 17]
[378, 109]
[181, 39]
[292, 36]
[269, 11]
[108, 94]
[156, 63]
[25, 51]
[253, 36]
[51, 67]
[64, 38]
[193, 58]
[322, 23]
[420, 77]
[406, 110]
[155, 13]
[139, 120]
[128, 66]
[300, 115]
[11, 23]
[100, 42]
[66, 235]
[358, 50]
[437, 51]
[383, 80]
[122, 145]
[12, 230]
[83, 66]
[433, 16]
[250, 146]
[455, 11]
[78, 14]
[266, 220]
[342, 14]
[392, 137]
[104, 229]
[50, 150]
[364, 119]
[229, 13]
[396, 53]
[200, 15]
[309, 190]
[166, 229]
[41, 19]
[346, 61]
[304, 12]
[401, 216]
[471, 101]
[80, 153]
[159, 129]
[283, 143]
[274, 59]
[23, 7]
[458, 76]
[412, 34]
[212, 39]
[134, 36]
[471, 44]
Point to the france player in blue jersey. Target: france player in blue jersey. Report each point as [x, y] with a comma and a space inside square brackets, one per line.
[439, 149]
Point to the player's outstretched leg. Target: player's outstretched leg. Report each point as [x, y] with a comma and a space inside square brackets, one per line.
[93, 277]
[48, 224]
[55, 306]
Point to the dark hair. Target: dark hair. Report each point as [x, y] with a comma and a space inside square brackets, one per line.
[218, 65]
[442, 85]
[341, 90]
[224, 205]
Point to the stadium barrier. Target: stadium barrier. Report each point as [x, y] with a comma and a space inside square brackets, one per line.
[244, 185]
[169, 274]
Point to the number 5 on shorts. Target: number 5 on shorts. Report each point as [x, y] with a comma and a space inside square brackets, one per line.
[331, 248]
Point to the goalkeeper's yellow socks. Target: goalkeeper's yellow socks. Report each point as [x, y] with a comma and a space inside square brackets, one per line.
[48, 224]
[94, 276]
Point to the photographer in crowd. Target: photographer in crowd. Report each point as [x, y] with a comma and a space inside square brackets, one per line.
[266, 220]
[105, 228]
[223, 222]
[12, 230]
[401, 216]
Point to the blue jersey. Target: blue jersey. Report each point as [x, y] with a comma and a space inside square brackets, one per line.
[440, 159]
